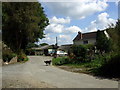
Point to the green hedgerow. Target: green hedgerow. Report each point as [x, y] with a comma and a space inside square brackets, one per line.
[60, 60]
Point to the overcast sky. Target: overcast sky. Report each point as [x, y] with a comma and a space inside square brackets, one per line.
[67, 18]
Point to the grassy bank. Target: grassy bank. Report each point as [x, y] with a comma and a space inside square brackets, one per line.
[103, 66]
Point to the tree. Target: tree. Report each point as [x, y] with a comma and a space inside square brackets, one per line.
[102, 42]
[31, 45]
[23, 23]
[29, 48]
[43, 44]
[114, 33]
[117, 30]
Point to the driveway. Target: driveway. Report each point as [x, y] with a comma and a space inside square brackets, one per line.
[35, 73]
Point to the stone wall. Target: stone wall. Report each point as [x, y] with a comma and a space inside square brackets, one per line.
[13, 60]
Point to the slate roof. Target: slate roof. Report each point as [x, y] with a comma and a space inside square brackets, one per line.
[89, 35]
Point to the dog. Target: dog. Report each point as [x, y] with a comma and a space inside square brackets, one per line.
[47, 62]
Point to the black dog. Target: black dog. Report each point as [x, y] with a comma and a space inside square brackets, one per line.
[48, 62]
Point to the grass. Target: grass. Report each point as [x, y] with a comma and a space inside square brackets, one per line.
[91, 64]
[84, 67]
[60, 60]
[106, 67]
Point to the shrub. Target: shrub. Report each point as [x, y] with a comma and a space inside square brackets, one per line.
[22, 57]
[80, 52]
[76, 60]
[89, 46]
[109, 66]
[60, 61]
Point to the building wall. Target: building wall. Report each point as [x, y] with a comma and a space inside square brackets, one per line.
[90, 41]
[65, 48]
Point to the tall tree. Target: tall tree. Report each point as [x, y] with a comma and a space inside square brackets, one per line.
[23, 23]
[114, 33]
[117, 29]
[31, 45]
[102, 42]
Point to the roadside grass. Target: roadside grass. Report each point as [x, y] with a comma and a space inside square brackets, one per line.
[60, 60]
[83, 67]
[101, 66]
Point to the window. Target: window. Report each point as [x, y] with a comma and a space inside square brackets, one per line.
[85, 42]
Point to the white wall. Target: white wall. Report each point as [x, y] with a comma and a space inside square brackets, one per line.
[90, 41]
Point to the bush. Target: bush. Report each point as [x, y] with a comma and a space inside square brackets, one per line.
[80, 52]
[60, 60]
[7, 55]
[22, 57]
[96, 62]
[76, 60]
[109, 66]
[65, 60]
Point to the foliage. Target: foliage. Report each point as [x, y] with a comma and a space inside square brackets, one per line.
[80, 52]
[111, 61]
[95, 63]
[114, 33]
[43, 44]
[7, 55]
[29, 49]
[22, 57]
[102, 42]
[105, 64]
[117, 29]
[110, 68]
[23, 23]
[60, 60]
[31, 45]
[89, 46]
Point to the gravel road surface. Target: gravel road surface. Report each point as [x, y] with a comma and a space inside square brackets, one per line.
[35, 74]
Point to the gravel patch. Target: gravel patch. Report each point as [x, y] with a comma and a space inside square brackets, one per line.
[24, 82]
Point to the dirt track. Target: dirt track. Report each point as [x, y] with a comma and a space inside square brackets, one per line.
[34, 74]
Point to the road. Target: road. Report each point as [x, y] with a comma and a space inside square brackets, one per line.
[35, 71]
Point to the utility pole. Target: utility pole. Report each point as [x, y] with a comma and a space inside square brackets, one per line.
[56, 41]
[56, 46]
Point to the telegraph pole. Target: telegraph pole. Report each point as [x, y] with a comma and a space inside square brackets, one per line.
[56, 46]
[56, 41]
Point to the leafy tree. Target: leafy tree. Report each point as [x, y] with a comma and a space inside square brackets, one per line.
[23, 23]
[31, 45]
[114, 33]
[117, 29]
[43, 44]
[102, 42]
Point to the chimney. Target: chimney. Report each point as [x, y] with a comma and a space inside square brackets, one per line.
[80, 34]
